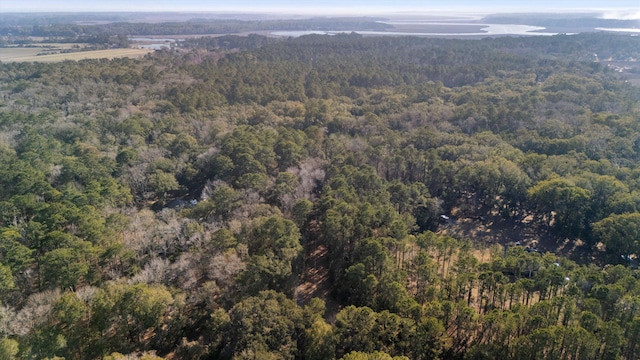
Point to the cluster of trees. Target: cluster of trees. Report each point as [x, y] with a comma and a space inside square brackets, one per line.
[184, 204]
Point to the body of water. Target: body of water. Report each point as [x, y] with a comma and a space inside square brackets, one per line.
[486, 30]
[629, 30]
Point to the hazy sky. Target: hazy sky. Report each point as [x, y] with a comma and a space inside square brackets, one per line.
[311, 6]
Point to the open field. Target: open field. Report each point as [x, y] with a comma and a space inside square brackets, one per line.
[31, 54]
[37, 49]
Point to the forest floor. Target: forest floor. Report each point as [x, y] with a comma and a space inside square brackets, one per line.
[497, 231]
[525, 232]
[314, 280]
[484, 232]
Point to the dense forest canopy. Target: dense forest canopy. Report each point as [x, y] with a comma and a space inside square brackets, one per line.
[323, 197]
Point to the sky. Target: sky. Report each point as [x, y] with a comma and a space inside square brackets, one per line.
[622, 8]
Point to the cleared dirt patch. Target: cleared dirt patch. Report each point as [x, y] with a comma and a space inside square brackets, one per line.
[315, 277]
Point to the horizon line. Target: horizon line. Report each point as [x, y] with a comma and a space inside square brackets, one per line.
[331, 10]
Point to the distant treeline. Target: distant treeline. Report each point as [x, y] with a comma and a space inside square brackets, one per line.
[192, 27]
